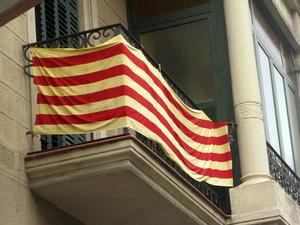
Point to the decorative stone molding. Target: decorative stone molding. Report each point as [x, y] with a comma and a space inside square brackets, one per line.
[249, 110]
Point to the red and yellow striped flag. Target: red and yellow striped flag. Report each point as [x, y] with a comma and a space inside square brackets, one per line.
[113, 85]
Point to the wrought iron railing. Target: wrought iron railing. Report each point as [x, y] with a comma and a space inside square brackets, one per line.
[90, 38]
[283, 174]
[219, 196]
[216, 195]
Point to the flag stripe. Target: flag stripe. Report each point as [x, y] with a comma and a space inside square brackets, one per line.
[123, 111]
[121, 122]
[142, 97]
[142, 65]
[119, 101]
[105, 74]
[98, 96]
[113, 85]
[57, 52]
[125, 90]
[78, 59]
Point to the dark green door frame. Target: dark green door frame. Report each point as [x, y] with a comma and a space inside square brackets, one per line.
[214, 13]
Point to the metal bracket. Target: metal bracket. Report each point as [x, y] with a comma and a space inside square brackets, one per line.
[29, 132]
[231, 132]
[28, 63]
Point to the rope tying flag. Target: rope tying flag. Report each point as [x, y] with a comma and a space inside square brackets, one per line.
[113, 85]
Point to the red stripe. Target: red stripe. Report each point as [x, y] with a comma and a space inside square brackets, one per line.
[197, 138]
[79, 79]
[122, 49]
[207, 171]
[128, 111]
[125, 90]
[102, 75]
[94, 97]
[77, 59]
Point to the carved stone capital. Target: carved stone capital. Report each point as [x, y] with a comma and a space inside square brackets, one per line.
[249, 110]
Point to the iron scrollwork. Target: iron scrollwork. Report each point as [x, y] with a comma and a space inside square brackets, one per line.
[216, 195]
[96, 36]
[284, 175]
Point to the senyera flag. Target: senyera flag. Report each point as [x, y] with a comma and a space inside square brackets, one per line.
[113, 85]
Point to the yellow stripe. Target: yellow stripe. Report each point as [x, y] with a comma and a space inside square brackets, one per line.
[80, 69]
[121, 122]
[124, 122]
[131, 123]
[139, 54]
[65, 52]
[117, 81]
[125, 100]
[108, 63]
[227, 182]
[118, 60]
[113, 61]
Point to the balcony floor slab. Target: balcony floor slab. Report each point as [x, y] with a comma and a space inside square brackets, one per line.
[117, 182]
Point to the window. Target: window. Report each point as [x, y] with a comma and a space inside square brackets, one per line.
[190, 68]
[279, 107]
[277, 90]
[145, 9]
[164, 31]
[56, 18]
[268, 97]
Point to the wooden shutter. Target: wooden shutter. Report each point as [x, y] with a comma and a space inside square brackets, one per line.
[57, 18]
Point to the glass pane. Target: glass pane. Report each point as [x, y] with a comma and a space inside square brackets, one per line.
[267, 33]
[268, 99]
[283, 119]
[184, 52]
[294, 123]
[144, 9]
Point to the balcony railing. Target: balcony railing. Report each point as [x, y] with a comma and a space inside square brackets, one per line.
[283, 174]
[96, 36]
[218, 196]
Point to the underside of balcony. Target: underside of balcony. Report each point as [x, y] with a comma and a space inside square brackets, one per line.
[117, 180]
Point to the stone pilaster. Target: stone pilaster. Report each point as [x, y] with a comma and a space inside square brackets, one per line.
[246, 93]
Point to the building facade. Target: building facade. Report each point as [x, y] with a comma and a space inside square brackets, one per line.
[237, 60]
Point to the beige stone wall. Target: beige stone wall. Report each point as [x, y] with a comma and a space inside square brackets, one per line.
[112, 11]
[18, 205]
[285, 12]
[263, 203]
[98, 13]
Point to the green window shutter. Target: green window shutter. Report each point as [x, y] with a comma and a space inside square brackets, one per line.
[57, 18]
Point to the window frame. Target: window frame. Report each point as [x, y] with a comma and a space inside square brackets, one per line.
[287, 82]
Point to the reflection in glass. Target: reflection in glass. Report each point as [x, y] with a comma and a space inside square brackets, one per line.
[283, 119]
[184, 52]
[269, 106]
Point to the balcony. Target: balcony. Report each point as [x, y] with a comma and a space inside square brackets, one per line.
[123, 172]
[284, 175]
[120, 174]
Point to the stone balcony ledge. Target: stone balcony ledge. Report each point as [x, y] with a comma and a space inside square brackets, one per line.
[117, 180]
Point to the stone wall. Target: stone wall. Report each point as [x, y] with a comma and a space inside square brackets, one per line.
[18, 205]
[112, 11]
